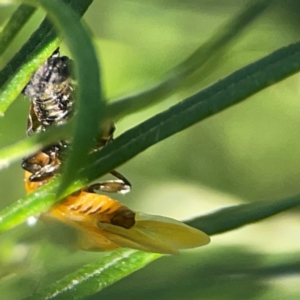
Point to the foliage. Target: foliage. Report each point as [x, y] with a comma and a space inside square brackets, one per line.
[84, 275]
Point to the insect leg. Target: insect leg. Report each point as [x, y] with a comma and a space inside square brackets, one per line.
[120, 185]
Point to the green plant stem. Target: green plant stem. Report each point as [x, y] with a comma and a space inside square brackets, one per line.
[34, 144]
[88, 79]
[227, 92]
[233, 217]
[14, 25]
[95, 277]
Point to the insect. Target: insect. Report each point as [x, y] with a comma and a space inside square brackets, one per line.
[52, 103]
[51, 92]
[100, 222]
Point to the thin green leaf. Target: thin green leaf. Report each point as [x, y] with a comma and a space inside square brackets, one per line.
[14, 25]
[229, 91]
[35, 202]
[213, 48]
[31, 145]
[32, 204]
[15, 75]
[223, 94]
[235, 271]
[90, 105]
[233, 217]
[94, 277]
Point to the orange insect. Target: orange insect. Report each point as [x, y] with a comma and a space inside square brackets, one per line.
[102, 223]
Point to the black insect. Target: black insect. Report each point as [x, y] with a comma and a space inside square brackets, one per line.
[51, 93]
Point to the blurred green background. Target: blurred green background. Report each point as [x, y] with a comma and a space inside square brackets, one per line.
[247, 153]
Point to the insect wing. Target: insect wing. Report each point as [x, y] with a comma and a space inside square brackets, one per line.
[156, 234]
[105, 224]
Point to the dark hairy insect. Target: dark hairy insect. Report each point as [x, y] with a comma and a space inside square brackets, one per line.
[51, 93]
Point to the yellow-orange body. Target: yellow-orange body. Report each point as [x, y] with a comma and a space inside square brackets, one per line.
[103, 223]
